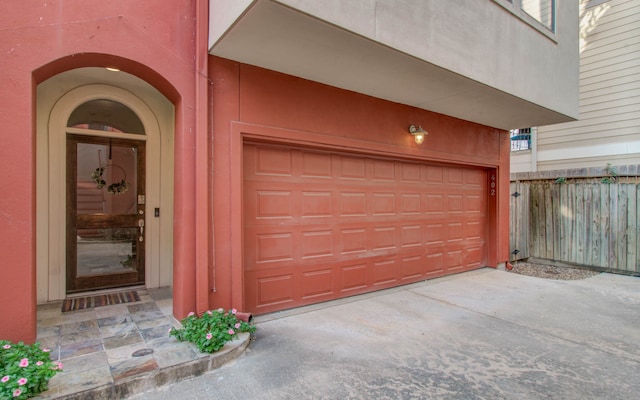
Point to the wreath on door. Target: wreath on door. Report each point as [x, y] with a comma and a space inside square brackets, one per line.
[115, 187]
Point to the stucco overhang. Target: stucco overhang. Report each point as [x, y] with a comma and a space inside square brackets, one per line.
[271, 35]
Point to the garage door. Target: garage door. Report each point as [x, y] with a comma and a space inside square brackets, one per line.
[320, 225]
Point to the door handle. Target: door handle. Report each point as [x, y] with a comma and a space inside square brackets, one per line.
[141, 225]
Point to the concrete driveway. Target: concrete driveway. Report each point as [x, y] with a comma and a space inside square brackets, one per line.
[486, 334]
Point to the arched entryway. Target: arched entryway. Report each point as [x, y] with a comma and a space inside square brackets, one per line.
[95, 125]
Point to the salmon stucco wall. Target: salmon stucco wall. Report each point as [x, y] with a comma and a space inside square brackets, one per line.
[155, 40]
[247, 100]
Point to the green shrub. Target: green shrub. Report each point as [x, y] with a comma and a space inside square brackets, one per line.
[25, 370]
[212, 330]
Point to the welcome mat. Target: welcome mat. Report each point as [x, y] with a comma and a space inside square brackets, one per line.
[82, 303]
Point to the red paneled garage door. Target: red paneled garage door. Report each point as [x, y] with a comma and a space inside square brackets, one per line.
[320, 225]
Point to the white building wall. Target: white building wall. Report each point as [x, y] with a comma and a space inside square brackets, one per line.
[489, 41]
[502, 63]
[521, 161]
[608, 130]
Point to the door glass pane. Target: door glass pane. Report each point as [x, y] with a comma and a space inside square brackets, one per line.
[106, 179]
[106, 115]
[106, 251]
[106, 187]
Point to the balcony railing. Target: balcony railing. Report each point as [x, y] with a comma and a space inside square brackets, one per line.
[520, 139]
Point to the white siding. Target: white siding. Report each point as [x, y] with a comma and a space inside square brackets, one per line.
[520, 161]
[608, 130]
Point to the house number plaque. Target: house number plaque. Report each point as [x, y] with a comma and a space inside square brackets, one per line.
[492, 185]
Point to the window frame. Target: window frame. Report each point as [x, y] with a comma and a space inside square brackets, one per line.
[515, 8]
[521, 132]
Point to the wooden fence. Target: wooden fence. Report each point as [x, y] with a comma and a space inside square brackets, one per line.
[585, 223]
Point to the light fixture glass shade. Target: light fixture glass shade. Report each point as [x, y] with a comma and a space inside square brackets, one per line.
[418, 133]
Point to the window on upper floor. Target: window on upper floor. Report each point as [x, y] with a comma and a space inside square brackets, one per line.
[542, 11]
[520, 139]
[541, 14]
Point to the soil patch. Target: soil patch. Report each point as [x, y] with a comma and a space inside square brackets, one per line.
[551, 271]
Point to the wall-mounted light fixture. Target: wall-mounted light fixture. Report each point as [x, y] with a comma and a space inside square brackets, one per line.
[418, 133]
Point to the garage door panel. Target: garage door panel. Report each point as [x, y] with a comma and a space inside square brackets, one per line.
[353, 204]
[383, 238]
[455, 204]
[384, 271]
[435, 263]
[353, 277]
[474, 203]
[384, 204]
[317, 165]
[352, 240]
[383, 170]
[410, 173]
[434, 174]
[455, 175]
[474, 230]
[473, 257]
[475, 177]
[319, 226]
[316, 204]
[317, 244]
[411, 267]
[435, 234]
[317, 283]
[272, 247]
[434, 203]
[352, 168]
[454, 259]
[274, 290]
[411, 235]
[410, 204]
[272, 204]
[454, 232]
[272, 161]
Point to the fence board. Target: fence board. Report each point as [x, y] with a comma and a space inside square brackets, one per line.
[637, 258]
[557, 215]
[588, 221]
[571, 221]
[596, 227]
[613, 226]
[604, 222]
[632, 229]
[548, 214]
[622, 234]
[579, 222]
[535, 216]
[564, 193]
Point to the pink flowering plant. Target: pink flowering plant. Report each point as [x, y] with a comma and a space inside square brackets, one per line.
[210, 331]
[25, 370]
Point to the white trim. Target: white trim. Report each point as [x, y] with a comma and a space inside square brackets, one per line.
[534, 149]
[596, 150]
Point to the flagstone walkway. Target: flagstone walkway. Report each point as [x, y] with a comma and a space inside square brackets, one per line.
[120, 349]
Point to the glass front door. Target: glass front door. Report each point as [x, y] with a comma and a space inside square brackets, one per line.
[105, 212]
